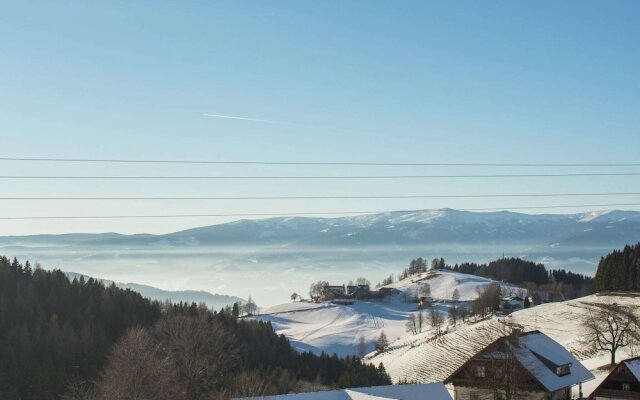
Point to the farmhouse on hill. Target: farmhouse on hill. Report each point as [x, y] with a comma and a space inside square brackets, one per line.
[529, 366]
[511, 303]
[623, 382]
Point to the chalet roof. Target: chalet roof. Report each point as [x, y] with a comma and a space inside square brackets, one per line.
[534, 345]
[633, 364]
[431, 391]
[532, 348]
[546, 347]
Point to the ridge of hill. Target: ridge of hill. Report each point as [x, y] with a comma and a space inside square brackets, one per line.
[212, 300]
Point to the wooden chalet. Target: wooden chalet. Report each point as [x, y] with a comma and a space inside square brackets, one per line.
[622, 383]
[520, 366]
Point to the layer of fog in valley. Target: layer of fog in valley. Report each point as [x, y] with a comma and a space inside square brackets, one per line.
[271, 274]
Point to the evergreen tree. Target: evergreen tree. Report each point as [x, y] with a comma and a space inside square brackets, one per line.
[619, 270]
[382, 342]
[235, 310]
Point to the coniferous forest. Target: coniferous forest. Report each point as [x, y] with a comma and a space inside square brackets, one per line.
[619, 270]
[523, 272]
[81, 340]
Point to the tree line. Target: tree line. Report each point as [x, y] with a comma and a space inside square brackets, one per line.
[556, 284]
[619, 270]
[62, 339]
[533, 276]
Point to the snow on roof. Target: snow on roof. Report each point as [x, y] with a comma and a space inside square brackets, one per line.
[546, 347]
[535, 344]
[431, 391]
[634, 367]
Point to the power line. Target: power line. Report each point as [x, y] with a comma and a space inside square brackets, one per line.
[248, 177]
[435, 196]
[307, 213]
[347, 163]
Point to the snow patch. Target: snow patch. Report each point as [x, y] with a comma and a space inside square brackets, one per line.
[590, 216]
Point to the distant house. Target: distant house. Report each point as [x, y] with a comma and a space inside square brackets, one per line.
[387, 291]
[511, 304]
[425, 301]
[622, 383]
[335, 291]
[529, 366]
[430, 391]
[358, 290]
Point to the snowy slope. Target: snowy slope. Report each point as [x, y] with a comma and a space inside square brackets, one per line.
[424, 359]
[443, 284]
[337, 328]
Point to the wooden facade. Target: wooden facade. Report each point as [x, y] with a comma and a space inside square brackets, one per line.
[622, 383]
[504, 370]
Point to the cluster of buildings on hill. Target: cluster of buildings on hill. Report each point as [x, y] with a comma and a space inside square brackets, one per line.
[518, 366]
[343, 292]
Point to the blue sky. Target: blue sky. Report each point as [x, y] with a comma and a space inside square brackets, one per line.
[424, 81]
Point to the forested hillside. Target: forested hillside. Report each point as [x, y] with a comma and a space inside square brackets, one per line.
[619, 270]
[532, 275]
[53, 330]
[81, 340]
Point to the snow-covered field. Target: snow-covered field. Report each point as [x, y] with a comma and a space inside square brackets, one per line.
[338, 328]
[443, 284]
[423, 358]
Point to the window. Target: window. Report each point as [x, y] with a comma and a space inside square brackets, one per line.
[626, 387]
[480, 371]
[563, 370]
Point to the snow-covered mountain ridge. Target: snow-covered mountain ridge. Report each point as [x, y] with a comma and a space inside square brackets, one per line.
[271, 258]
[436, 226]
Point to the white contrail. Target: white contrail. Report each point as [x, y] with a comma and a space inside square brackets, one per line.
[268, 121]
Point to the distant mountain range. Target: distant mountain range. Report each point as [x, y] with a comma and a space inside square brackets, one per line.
[605, 228]
[270, 258]
[215, 301]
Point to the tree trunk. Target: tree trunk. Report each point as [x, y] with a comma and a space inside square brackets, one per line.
[613, 358]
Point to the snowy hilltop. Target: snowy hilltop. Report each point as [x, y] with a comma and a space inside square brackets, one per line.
[339, 328]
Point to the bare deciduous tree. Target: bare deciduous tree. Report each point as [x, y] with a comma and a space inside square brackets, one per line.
[453, 314]
[436, 320]
[412, 324]
[424, 289]
[79, 390]
[201, 350]
[610, 327]
[138, 369]
[420, 320]
[249, 384]
[250, 307]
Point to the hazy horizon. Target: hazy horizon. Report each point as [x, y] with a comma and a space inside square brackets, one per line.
[535, 85]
